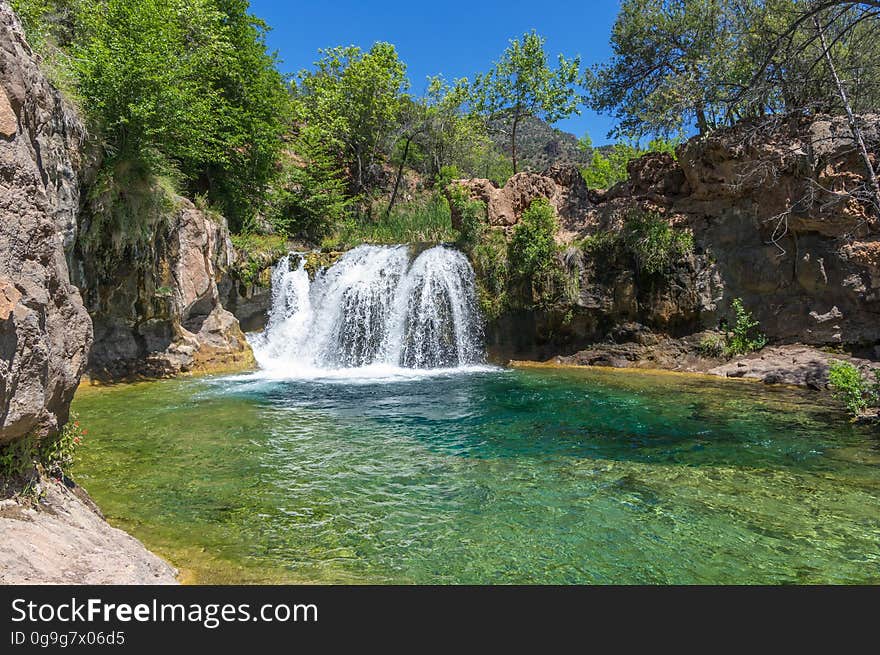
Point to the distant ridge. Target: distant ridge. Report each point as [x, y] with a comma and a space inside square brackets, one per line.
[538, 144]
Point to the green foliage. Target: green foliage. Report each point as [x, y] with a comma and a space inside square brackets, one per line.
[19, 458]
[489, 258]
[444, 134]
[533, 256]
[851, 388]
[415, 222]
[521, 84]
[123, 208]
[352, 100]
[608, 167]
[57, 455]
[647, 239]
[712, 63]
[179, 88]
[713, 345]
[473, 217]
[745, 337]
[257, 253]
[655, 244]
[669, 58]
[309, 196]
[532, 248]
[445, 176]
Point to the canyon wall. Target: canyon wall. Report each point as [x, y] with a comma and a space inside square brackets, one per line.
[45, 332]
[157, 309]
[776, 221]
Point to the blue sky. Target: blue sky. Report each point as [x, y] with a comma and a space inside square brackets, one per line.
[453, 38]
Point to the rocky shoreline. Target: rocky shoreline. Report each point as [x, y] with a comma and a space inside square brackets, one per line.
[62, 538]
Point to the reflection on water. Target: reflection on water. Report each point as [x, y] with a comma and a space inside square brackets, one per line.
[490, 476]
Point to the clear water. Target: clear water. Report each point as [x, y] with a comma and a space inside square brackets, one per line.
[487, 476]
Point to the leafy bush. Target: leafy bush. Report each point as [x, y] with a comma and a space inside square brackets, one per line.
[446, 175]
[57, 455]
[533, 256]
[309, 195]
[851, 388]
[647, 238]
[184, 87]
[256, 253]
[713, 345]
[473, 218]
[19, 458]
[532, 248]
[489, 259]
[608, 168]
[654, 243]
[746, 336]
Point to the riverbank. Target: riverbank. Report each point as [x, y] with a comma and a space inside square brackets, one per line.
[62, 538]
[795, 365]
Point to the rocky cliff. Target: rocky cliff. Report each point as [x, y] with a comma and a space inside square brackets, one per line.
[45, 332]
[157, 310]
[776, 219]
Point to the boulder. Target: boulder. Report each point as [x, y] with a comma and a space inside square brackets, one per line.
[562, 186]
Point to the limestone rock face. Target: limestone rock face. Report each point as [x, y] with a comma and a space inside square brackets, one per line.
[45, 332]
[67, 541]
[164, 316]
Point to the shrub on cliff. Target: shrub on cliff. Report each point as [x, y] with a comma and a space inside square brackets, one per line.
[472, 227]
[532, 253]
[651, 244]
[489, 258]
[532, 248]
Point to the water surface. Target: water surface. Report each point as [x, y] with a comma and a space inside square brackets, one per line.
[487, 476]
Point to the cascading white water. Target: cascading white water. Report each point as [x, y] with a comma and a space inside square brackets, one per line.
[377, 306]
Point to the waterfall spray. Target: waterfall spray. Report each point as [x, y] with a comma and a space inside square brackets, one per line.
[377, 306]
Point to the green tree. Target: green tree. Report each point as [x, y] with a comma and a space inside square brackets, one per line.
[254, 112]
[710, 63]
[669, 59]
[309, 196]
[182, 88]
[452, 136]
[608, 166]
[354, 98]
[521, 84]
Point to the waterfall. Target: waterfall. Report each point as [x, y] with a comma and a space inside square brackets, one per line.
[376, 307]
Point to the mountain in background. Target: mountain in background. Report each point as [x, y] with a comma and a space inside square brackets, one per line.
[538, 144]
